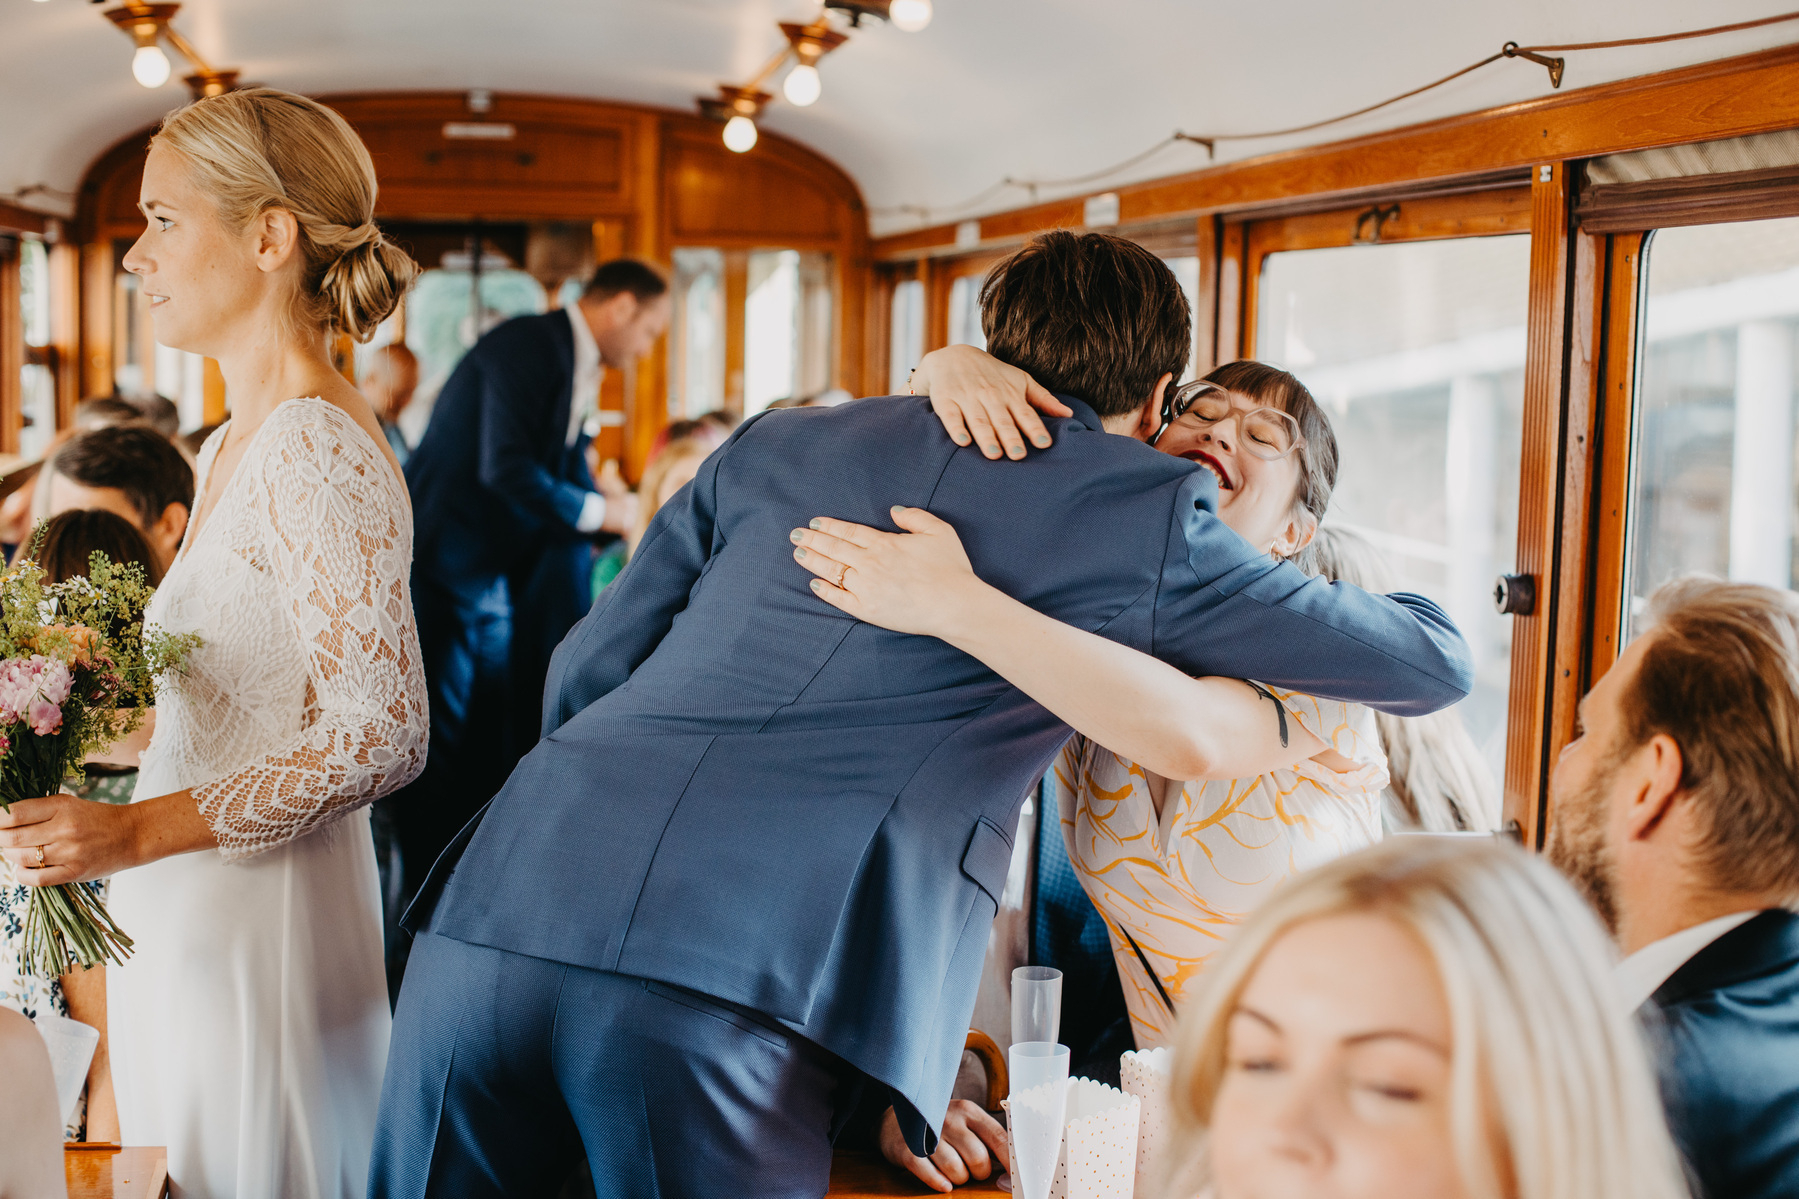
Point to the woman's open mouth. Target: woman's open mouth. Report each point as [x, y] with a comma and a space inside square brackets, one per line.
[1212, 464]
[157, 301]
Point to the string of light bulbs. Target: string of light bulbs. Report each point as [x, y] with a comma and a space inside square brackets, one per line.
[1540, 55]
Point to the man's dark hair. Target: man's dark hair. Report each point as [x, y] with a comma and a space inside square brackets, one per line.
[642, 280]
[1090, 315]
[135, 459]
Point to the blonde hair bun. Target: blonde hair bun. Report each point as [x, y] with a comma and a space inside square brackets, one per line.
[263, 148]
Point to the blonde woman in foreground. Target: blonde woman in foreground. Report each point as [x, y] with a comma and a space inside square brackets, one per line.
[1421, 1020]
[249, 1029]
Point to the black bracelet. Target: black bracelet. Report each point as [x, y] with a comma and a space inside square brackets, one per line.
[1279, 708]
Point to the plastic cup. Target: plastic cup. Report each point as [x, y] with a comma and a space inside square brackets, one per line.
[1036, 1111]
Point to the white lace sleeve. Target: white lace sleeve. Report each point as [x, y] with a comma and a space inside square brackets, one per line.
[337, 539]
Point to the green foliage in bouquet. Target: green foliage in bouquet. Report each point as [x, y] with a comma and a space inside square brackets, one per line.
[77, 673]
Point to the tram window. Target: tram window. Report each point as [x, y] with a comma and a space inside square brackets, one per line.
[1186, 273]
[443, 320]
[965, 312]
[696, 344]
[37, 393]
[1417, 351]
[1713, 488]
[907, 346]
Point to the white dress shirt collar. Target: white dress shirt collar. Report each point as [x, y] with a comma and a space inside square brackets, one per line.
[1642, 973]
[586, 394]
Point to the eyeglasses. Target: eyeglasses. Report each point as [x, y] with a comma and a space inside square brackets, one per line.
[1267, 433]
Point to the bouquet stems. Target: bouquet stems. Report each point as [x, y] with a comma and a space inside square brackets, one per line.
[66, 926]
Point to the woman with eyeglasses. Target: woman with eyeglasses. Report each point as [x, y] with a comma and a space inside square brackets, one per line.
[1186, 801]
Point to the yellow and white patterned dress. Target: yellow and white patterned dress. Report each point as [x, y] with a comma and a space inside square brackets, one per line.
[1180, 884]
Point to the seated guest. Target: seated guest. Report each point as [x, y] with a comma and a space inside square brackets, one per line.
[1678, 811]
[388, 385]
[670, 470]
[1428, 1019]
[30, 1150]
[131, 471]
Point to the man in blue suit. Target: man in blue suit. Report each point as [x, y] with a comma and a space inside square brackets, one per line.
[751, 867]
[506, 511]
[1678, 811]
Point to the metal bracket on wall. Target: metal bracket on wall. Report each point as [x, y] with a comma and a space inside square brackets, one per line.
[1368, 224]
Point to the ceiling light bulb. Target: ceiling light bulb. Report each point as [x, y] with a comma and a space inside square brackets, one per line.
[910, 15]
[740, 134]
[150, 66]
[803, 86]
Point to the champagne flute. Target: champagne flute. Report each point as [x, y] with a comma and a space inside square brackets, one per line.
[1035, 1114]
[1036, 1017]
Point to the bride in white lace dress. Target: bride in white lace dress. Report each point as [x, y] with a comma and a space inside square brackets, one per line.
[250, 1028]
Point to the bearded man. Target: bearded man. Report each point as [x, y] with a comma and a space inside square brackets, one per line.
[1677, 810]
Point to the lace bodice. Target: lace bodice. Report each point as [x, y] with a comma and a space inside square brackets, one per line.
[307, 697]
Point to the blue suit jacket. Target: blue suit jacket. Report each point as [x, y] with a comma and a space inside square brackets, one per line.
[1730, 1063]
[493, 484]
[742, 791]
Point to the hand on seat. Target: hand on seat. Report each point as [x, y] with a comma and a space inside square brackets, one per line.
[971, 1145]
[982, 400]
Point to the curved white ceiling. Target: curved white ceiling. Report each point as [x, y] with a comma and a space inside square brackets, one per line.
[1033, 89]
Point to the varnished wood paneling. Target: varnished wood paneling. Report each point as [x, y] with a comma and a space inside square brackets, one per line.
[12, 345]
[14, 219]
[1431, 218]
[1231, 257]
[1617, 443]
[65, 328]
[1545, 382]
[1752, 93]
[1205, 309]
[96, 318]
[721, 198]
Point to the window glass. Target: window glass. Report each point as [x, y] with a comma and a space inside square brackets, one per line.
[1186, 273]
[38, 384]
[696, 343]
[1416, 351]
[965, 312]
[907, 346]
[771, 320]
[443, 319]
[1713, 488]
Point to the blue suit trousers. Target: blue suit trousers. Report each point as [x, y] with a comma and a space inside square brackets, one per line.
[506, 1069]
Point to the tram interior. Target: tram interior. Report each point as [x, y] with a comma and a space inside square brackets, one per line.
[1546, 306]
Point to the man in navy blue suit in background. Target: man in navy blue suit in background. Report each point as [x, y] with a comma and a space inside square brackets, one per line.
[505, 511]
[1677, 810]
[750, 870]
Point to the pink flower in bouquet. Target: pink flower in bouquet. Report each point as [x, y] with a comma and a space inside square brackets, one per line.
[44, 717]
[33, 689]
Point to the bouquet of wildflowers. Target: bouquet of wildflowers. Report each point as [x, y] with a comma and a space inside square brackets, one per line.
[77, 673]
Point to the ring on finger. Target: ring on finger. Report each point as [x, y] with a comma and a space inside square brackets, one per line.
[842, 574]
[40, 857]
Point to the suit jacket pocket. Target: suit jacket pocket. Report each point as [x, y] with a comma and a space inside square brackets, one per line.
[988, 859]
[747, 888]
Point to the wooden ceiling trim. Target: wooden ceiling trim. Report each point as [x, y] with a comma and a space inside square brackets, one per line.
[1730, 97]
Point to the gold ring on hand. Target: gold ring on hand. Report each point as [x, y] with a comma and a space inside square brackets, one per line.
[841, 576]
[40, 857]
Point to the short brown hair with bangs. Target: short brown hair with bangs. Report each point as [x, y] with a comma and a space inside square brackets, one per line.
[1089, 315]
[1720, 675]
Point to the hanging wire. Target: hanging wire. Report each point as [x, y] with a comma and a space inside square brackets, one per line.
[1534, 54]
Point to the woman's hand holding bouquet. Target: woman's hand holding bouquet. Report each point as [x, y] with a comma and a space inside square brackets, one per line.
[77, 673]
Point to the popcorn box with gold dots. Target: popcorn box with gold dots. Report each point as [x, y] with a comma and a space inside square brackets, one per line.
[1099, 1143]
[1145, 1074]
